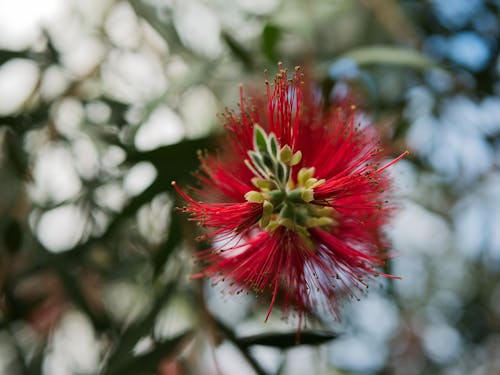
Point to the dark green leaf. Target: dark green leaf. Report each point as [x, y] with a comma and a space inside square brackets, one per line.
[273, 145]
[287, 340]
[162, 26]
[259, 139]
[270, 38]
[17, 156]
[257, 162]
[21, 122]
[6, 55]
[287, 174]
[12, 236]
[281, 171]
[173, 162]
[268, 161]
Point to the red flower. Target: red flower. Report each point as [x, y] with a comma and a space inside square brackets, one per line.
[295, 204]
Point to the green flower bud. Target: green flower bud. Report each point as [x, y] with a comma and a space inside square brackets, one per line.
[307, 195]
[286, 154]
[254, 197]
[296, 158]
[304, 175]
[272, 226]
[267, 210]
[263, 184]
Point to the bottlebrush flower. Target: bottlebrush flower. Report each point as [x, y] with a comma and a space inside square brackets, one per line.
[295, 203]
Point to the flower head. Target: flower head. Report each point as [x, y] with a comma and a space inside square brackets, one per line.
[295, 203]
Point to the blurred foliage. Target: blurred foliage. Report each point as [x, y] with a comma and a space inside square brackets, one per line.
[94, 257]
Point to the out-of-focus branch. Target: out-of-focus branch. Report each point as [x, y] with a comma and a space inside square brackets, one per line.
[390, 16]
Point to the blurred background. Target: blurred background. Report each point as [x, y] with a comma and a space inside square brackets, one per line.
[104, 102]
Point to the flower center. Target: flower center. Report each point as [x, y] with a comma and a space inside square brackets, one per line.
[286, 202]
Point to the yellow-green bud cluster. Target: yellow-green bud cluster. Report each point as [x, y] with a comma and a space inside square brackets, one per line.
[285, 202]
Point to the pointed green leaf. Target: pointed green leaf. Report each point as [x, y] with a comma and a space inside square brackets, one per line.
[389, 55]
[296, 158]
[287, 340]
[257, 162]
[273, 146]
[286, 154]
[159, 23]
[281, 173]
[270, 38]
[268, 162]
[259, 139]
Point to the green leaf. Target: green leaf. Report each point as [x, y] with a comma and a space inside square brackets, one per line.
[258, 162]
[260, 139]
[281, 173]
[270, 38]
[15, 151]
[273, 146]
[389, 55]
[6, 55]
[173, 162]
[287, 340]
[268, 161]
[12, 235]
[160, 24]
